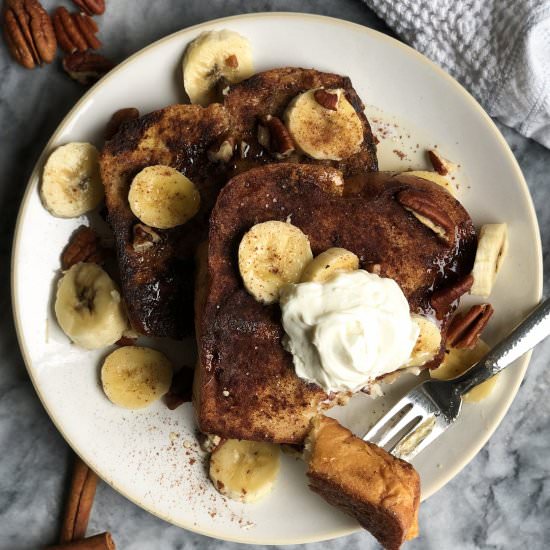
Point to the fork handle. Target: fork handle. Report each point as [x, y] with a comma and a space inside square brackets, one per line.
[531, 331]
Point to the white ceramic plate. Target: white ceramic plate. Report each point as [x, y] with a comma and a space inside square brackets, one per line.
[151, 456]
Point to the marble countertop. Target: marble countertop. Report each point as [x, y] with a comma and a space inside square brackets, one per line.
[500, 500]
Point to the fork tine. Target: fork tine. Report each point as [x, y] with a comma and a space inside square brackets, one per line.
[408, 452]
[381, 422]
[411, 420]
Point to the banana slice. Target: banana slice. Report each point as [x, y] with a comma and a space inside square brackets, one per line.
[329, 263]
[427, 344]
[88, 307]
[271, 255]
[244, 470]
[212, 57]
[444, 181]
[162, 197]
[458, 361]
[321, 132]
[491, 250]
[133, 377]
[71, 185]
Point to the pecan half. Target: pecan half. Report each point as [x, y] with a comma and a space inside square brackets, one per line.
[118, 117]
[465, 329]
[91, 7]
[423, 208]
[86, 67]
[441, 165]
[442, 299]
[29, 33]
[326, 99]
[144, 237]
[83, 246]
[88, 28]
[75, 31]
[281, 144]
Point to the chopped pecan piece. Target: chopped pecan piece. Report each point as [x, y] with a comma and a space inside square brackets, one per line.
[222, 152]
[465, 329]
[29, 32]
[86, 67]
[120, 116]
[125, 341]
[326, 99]
[281, 144]
[144, 237]
[91, 7]
[427, 212]
[440, 165]
[443, 299]
[84, 246]
[232, 61]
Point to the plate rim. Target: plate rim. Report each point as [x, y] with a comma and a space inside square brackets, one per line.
[392, 42]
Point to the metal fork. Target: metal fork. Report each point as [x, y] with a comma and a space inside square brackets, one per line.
[431, 407]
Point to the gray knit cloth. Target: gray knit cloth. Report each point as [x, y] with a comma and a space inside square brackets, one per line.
[499, 50]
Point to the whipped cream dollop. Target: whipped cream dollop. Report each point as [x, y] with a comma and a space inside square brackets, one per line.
[346, 332]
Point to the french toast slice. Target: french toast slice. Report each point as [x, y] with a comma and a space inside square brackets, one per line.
[269, 93]
[157, 283]
[245, 384]
[380, 491]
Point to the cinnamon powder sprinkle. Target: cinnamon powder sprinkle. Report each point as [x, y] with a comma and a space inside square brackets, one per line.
[400, 154]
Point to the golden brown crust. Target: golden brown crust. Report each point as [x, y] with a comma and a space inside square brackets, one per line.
[158, 284]
[269, 93]
[248, 388]
[380, 491]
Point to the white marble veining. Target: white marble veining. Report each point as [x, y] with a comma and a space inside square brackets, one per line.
[500, 501]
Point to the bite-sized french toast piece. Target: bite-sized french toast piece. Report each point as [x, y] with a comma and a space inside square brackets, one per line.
[156, 265]
[271, 94]
[363, 480]
[246, 386]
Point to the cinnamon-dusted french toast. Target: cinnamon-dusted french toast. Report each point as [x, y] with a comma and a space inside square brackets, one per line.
[245, 383]
[207, 145]
[156, 265]
[278, 93]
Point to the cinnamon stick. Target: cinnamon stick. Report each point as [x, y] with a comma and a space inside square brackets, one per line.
[103, 541]
[79, 503]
